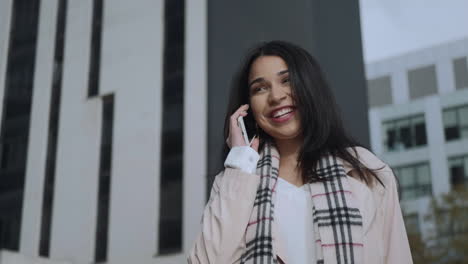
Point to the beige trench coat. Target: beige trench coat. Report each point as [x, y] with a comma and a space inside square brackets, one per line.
[227, 212]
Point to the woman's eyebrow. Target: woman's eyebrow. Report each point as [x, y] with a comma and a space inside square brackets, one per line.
[282, 72]
[260, 79]
[256, 80]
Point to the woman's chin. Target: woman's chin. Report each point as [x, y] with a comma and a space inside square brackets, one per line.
[286, 136]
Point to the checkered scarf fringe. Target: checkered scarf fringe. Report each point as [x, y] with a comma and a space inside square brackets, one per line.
[336, 218]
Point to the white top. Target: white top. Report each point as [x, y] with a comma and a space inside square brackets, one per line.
[293, 213]
[293, 208]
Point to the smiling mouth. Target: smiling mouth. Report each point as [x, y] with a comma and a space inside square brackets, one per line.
[278, 116]
[281, 112]
[283, 117]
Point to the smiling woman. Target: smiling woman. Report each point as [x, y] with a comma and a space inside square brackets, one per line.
[280, 74]
[304, 179]
[270, 98]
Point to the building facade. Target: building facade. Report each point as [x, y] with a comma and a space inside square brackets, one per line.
[419, 123]
[112, 116]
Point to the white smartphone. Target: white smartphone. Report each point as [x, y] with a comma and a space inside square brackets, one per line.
[240, 123]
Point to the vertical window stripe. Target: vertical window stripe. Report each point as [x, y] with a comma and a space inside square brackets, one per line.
[95, 54]
[15, 118]
[104, 178]
[170, 205]
[48, 193]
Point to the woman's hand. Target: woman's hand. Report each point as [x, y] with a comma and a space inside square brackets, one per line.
[235, 137]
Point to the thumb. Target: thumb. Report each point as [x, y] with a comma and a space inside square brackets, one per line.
[255, 143]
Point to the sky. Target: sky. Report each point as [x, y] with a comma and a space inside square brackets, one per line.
[393, 27]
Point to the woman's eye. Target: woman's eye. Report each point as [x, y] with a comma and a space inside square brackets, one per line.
[286, 80]
[257, 89]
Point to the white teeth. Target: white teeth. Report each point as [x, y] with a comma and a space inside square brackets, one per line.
[282, 112]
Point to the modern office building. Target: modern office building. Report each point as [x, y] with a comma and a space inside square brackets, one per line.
[418, 114]
[112, 116]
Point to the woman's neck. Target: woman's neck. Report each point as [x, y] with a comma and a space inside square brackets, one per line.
[289, 152]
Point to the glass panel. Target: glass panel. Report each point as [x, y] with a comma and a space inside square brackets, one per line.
[390, 135]
[463, 116]
[424, 175]
[407, 177]
[460, 70]
[418, 119]
[454, 162]
[95, 51]
[410, 193]
[426, 190]
[404, 137]
[48, 197]
[19, 60]
[422, 81]
[172, 163]
[463, 121]
[102, 225]
[456, 171]
[450, 118]
[452, 133]
[464, 132]
[420, 134]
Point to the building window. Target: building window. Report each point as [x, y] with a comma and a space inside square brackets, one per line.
[379, 91]
[54, 118]
[95, 52]
[14, 134]
[458, 167]
[170, 206]
[415, 181]
[405, 133]
[456, 122]
[105, 176]
[460, 71]
[422, 81]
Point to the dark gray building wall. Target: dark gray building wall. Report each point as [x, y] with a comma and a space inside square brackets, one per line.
[330, 30]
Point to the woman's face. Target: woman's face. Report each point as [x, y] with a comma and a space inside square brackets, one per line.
[271, 99]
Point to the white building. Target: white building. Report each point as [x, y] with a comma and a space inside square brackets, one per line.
[92, 188]
[419, 122]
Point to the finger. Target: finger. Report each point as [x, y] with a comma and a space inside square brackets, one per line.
[235, 133]
[234, 119]
[239, 112]
[242, 108]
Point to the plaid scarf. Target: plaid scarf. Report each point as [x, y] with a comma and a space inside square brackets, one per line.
[336, 218]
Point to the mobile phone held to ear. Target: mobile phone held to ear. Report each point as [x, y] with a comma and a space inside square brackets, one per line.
[240, 123]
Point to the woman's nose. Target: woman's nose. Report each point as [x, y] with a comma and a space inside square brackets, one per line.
[277, 94]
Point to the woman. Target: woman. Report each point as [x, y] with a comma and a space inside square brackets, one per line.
[304, 191]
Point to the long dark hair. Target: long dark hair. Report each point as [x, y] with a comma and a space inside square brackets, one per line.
[321, 122]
